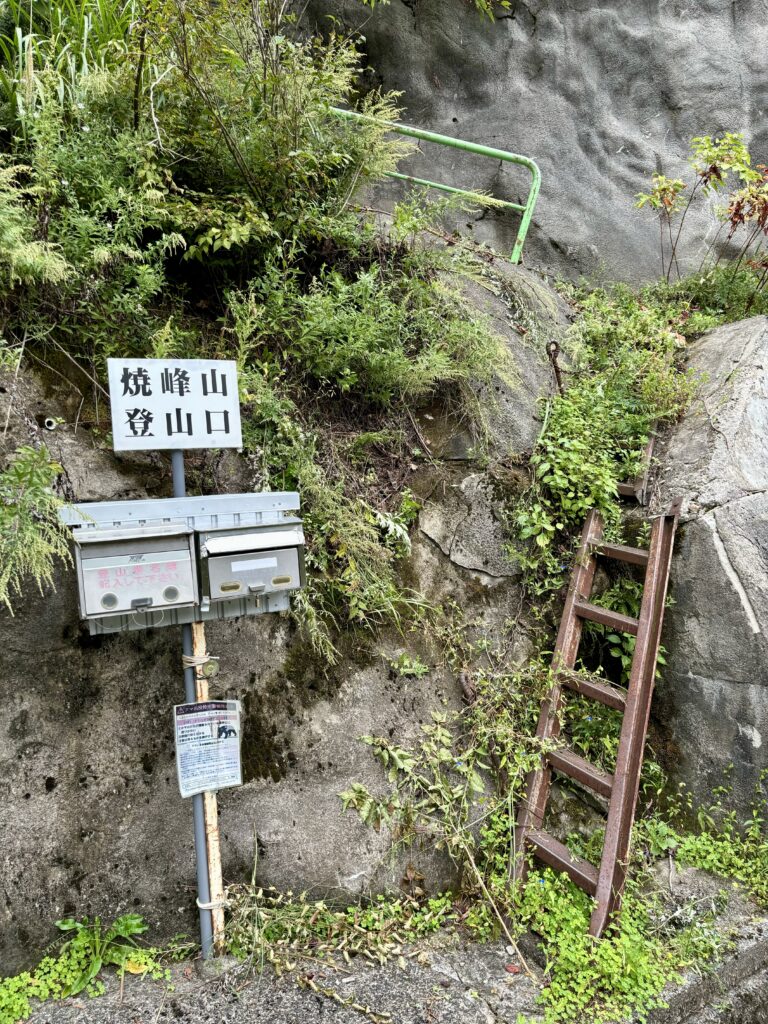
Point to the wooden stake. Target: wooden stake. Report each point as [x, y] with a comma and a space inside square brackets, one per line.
[212, 839]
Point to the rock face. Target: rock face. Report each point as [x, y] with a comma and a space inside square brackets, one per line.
[600, 95]
[712, 705]
[92, 819]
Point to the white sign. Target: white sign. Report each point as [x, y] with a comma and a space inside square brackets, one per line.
[174, 403]
[207, 746]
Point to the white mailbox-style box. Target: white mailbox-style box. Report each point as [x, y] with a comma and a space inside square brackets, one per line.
[250, 562]
[130, 570]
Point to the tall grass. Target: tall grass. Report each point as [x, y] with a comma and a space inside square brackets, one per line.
[67, 39]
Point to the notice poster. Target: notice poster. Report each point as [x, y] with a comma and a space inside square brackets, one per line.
[207, 746]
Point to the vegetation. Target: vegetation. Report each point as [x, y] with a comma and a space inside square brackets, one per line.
[30, 533]
[716, 163]
[282, 929]
[626, 378]
[721, 843]
[174, 183]
[79, 961]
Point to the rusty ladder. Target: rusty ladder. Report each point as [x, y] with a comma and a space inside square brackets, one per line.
[606, 882]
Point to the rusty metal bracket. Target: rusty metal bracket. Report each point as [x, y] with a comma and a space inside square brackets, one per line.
[553, 351]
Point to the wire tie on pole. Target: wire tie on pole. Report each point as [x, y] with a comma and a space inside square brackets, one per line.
[213, 905]
[199, 661]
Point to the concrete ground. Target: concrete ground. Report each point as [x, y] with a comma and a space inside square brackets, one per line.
[444, 982]
[468, 985]
[448, 986]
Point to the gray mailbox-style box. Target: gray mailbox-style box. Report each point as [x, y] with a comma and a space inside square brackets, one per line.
[252, 561]
[167, 561]
[135, 569]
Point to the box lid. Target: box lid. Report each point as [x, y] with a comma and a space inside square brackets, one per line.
[256, 540]
[96, 536]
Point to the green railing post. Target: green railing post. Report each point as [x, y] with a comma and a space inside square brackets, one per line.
[468, 147]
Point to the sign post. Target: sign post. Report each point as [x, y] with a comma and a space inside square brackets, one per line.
[198, 805]
[210, 803]
[178, 404]
[181, 561]
[160, 562]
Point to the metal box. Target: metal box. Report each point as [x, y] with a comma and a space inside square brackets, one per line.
[174, 522]
[251, 561]
[120, 571]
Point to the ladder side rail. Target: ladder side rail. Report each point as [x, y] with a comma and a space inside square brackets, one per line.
[537, 786]
[634, 727]
[668, 528]
[635, 768]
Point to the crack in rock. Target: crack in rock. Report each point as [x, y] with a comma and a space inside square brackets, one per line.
[732, 573]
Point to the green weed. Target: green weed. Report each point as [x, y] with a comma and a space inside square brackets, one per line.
[78, 964]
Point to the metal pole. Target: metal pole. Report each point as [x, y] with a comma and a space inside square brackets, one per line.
[190, 696]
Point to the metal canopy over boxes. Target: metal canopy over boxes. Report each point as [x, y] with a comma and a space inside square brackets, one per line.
[167, 561]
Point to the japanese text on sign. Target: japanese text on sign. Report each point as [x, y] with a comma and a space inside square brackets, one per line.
[174, 403]
[207, 746]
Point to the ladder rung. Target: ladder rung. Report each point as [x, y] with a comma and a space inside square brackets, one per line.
[558, 856]
[624, 623]
[635, 556]
[576, 767]
[593, 687]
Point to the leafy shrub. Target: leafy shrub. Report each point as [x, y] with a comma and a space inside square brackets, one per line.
[24, 258]
[377, 336]
[714, 163]
[621, 975]
[624, 381]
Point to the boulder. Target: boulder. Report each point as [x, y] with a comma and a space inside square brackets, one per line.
[527, 313]
[600, 95]
[711, 706]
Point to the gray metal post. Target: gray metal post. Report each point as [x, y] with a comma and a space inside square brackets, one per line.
[190, 695]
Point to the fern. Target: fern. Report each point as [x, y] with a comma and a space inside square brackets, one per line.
[23, 258]
[31, 535]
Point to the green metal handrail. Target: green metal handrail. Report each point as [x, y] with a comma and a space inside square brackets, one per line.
[469, 147]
